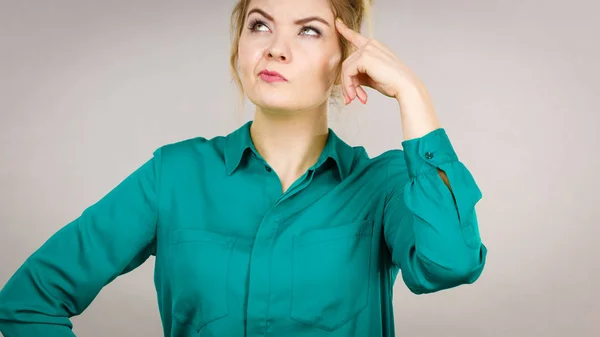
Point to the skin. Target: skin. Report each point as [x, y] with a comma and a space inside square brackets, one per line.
[290, 124]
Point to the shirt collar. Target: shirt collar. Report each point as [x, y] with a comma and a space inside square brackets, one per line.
[239, 141]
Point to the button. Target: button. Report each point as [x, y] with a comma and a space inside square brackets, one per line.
[268, 169]
[428, 155]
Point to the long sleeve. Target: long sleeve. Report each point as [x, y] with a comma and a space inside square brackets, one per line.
[431, 231]
[62, 277]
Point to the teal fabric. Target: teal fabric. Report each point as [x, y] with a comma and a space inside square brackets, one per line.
[234, 256]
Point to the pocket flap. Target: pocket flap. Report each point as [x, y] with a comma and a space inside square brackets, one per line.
[357, 228]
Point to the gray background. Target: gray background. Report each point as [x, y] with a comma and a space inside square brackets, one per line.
[88, 89]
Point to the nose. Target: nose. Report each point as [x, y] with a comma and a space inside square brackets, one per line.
[276, 54]
[277, 51]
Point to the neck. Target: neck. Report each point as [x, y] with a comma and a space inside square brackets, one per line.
[290, 142]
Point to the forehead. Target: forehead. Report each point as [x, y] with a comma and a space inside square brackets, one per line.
[288, 10]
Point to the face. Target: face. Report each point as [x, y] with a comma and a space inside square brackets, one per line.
[306, 53]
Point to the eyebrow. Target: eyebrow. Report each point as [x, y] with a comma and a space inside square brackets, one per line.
[298, 22]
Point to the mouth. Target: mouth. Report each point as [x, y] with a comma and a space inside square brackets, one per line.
[271, 76]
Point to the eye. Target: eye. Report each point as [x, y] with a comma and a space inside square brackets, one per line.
[318, 32]
[254, 24]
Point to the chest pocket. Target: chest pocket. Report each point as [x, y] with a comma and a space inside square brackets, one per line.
[200, 272]
[331, 274]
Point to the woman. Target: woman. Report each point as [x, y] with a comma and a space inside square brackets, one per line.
[279, 228]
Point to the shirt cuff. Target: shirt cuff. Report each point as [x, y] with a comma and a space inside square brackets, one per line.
[428, 152]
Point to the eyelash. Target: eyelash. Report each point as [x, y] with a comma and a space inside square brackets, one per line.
[256, 22]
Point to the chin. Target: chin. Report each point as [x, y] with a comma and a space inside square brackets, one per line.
[277, 108]
[276, 102]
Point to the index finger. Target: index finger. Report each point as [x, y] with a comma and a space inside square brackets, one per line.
[354, 37]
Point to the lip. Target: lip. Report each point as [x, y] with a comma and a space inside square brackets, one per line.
[271, 76]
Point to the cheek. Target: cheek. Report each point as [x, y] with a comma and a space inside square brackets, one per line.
[322, 65]
[328, 67]
[248, 56]
[334, 62]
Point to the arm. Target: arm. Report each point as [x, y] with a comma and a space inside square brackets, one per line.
[431, 229]
[62, 277]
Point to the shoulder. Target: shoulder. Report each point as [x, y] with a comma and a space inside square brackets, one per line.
[394, 157]
[189, 155]
[390, 160]
[190, 148]
[385, 169]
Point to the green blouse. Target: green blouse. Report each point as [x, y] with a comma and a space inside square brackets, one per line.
[234, 256]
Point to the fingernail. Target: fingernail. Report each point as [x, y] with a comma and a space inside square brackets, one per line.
[339, 20]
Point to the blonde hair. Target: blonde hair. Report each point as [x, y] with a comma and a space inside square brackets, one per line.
[350, 11]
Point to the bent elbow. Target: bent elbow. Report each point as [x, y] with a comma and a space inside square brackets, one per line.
[435, 277]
